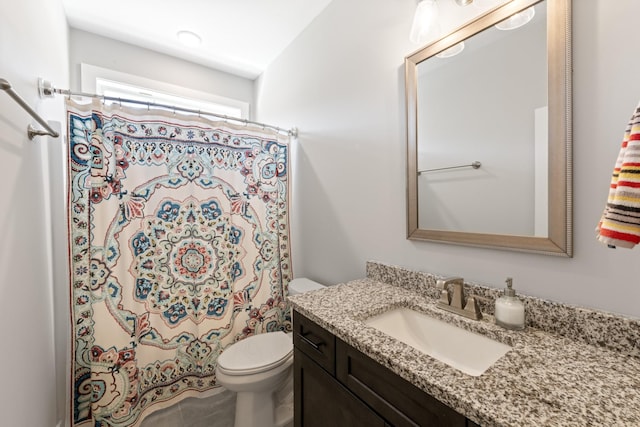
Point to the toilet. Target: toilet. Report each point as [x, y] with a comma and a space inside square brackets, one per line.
[260, 370]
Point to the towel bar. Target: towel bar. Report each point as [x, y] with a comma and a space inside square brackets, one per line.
[31, 131]
[475, 165]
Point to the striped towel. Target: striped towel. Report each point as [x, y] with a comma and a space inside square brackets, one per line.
[620, 222]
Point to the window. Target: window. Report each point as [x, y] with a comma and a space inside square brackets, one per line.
[116, 84]
[122, 90]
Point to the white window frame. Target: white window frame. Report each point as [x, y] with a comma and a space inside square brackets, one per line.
[103, 81]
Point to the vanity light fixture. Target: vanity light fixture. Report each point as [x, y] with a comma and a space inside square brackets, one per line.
[517, 20]
[425, 21]
[189, 38]
[426, 25]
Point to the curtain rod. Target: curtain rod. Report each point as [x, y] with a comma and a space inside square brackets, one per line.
[31, 131]
[46, 89]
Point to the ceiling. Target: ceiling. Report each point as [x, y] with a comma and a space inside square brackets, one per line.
[238, 36]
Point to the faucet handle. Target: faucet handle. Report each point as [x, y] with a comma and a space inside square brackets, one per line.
[442, 283]
[444, 297]
[473, 308]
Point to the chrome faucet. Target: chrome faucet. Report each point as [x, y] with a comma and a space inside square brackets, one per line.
[455, 302]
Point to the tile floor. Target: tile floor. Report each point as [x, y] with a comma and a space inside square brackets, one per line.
[215, 411]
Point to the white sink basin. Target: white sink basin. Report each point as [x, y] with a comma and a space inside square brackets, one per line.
[466, 351]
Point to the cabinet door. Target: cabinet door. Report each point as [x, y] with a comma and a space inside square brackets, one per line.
[321, 401]
[397, 400]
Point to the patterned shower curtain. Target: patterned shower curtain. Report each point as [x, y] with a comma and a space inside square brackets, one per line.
[178, 231]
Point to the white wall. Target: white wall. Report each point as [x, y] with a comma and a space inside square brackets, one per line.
[341, 82]
[118, 56]
[32, 45]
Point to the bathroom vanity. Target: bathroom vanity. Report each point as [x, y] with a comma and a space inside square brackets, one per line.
[569, 367]
[337, 385]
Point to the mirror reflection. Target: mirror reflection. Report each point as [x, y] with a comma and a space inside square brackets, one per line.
[491, 108]
[488, 132]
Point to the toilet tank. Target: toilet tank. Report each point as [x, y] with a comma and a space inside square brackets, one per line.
[302, 285]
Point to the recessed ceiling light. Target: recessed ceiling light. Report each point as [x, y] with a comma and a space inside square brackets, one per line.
[189, 38]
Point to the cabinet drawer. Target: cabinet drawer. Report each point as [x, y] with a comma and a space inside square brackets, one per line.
[314, 341]
[395, 399]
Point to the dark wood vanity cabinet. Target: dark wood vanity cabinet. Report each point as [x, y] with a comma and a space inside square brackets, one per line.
[337, 385]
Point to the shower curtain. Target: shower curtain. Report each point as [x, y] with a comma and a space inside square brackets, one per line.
[178, 231]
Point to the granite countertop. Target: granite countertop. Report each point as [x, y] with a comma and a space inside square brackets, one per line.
[545, 380]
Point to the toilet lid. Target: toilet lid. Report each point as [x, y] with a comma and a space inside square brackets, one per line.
[256, 354]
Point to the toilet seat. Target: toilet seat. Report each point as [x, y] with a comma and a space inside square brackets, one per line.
[256, 354]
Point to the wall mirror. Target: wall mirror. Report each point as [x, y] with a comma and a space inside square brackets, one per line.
[489, 133]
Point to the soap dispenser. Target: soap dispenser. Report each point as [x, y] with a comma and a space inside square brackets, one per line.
[510, 309]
